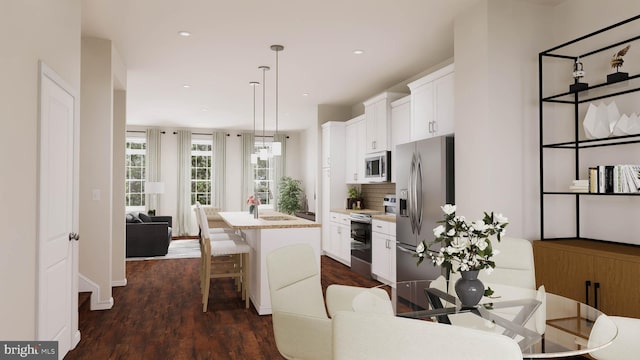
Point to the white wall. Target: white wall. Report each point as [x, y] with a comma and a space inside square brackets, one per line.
[118, 268]
[496, 47]
[96, 167]
[33, 30]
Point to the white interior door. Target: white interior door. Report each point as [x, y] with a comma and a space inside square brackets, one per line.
[57, 297]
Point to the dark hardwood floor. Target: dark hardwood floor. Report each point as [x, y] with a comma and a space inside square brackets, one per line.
[158, 315]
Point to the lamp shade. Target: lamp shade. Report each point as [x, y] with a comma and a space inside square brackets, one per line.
[151, 187]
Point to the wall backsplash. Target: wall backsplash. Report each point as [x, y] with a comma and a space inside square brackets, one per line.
[373, 194]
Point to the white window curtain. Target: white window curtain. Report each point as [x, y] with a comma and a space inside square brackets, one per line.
[280, 167]
[183, 223]
[248, 183]
[219, 168]
[154, 150]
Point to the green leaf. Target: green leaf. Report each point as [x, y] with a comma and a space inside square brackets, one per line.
[488, 292]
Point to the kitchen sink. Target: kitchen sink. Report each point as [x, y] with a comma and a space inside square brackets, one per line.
[277, 217]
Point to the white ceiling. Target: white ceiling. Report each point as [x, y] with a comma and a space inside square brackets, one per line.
[231, 38]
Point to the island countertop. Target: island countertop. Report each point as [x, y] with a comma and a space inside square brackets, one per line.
[268, 219]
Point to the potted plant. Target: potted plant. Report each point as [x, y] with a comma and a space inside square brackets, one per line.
[354, 200]
[289, 195]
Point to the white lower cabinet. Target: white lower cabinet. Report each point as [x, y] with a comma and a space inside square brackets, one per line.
[339, 244]
[383, 256]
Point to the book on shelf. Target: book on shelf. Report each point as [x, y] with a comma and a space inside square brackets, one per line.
[620, 179]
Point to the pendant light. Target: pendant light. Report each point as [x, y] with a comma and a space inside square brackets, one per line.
[254, 157]
[276, 146]
[264, 152]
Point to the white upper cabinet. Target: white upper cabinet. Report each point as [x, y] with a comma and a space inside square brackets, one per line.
[377, 112]
[333, 144]
[400, 128]
[355, 150]
[444, 94]
[432, 104]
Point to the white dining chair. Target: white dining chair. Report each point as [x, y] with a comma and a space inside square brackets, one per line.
[366, 336]
[626, 344]
[301, 326]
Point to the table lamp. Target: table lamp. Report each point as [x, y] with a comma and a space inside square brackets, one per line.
[153, 188]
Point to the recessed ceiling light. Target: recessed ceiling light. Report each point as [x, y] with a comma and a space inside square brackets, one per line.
[205, 109]
[305, 94]
[186, 86]
[184, 33]
[358, 51]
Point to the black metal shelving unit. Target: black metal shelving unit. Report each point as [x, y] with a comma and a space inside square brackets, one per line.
[575, 99]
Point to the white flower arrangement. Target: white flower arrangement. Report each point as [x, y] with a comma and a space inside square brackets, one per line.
[464, 245]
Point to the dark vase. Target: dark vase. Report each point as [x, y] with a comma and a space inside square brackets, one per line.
[469, 289]
[251, 209]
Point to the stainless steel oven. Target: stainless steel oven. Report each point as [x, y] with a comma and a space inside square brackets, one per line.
[361, 244]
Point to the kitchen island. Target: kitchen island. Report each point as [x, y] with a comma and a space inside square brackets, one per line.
[270, 231]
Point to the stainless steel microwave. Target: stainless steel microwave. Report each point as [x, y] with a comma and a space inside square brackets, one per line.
[378, 166]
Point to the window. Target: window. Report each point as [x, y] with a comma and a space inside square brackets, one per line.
[201, 165]
[135, 175]
[263, 176]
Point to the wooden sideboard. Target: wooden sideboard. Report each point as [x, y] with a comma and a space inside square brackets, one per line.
[602, 274]
[607, 273]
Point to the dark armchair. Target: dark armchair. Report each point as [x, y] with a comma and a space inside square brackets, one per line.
[148, 235]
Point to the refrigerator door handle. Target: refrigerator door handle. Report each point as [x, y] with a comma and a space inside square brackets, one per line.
[404, 249]
[419, 204]
[410, 196]
[413, 195]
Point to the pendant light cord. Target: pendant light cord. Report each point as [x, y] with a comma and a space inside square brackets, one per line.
[277, 49]
[264, 70]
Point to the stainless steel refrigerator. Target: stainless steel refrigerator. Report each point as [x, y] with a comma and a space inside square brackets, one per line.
[424, 182]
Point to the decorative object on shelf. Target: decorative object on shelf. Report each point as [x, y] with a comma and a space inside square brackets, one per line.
[627, 125]
[464, 246]
[600, 120]
[289, 195]
[578, 73]
[616, 62]
[276, 146]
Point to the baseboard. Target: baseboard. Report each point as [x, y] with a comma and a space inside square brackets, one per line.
[75, 339]
[118, 283]
[86, 285]
[101, 305]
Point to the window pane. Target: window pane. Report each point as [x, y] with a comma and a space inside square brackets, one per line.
[135, 171]
[201, 162]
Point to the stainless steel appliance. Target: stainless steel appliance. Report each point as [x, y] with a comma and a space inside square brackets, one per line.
[361, 244]
[424, 182]
[390, 204]
[378, 166]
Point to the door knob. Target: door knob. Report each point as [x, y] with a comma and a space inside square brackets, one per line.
[74, 236]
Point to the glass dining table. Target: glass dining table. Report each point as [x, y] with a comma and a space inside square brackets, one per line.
[545, 325]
